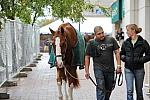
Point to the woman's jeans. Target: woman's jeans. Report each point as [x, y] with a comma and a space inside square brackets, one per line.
[105, 84]
[138, 76]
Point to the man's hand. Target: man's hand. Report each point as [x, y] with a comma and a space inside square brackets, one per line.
[118, 70]
[87, 75]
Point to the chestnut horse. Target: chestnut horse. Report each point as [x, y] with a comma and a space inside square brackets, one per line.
[64, 41]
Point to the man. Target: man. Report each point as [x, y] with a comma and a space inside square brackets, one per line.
[101, 50]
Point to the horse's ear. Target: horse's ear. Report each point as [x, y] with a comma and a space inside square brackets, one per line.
[62, 30]
[51, 31]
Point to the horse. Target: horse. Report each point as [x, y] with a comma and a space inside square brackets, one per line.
[64, 40]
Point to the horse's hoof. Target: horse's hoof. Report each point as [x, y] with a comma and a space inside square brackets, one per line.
[66, 97]
[60, 97]
[70, 99]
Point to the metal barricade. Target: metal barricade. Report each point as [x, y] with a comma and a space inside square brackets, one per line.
[19, 44]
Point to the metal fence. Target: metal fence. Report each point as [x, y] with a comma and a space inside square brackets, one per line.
[19, 44]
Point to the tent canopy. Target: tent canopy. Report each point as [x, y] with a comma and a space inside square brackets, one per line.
[55, 26]
[85, 27]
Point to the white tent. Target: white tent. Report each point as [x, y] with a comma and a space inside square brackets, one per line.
[87, 26]
[55, 26]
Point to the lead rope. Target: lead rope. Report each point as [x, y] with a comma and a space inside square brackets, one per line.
[114, 84]
[71, 74]
[95, 83]
[120, 82]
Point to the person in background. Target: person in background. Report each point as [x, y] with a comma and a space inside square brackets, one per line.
[102, 49]
[121, 36]
[117, 35]
[86, 38]
[135, 51]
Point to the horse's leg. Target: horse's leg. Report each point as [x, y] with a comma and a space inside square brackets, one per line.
[65, 90]
[73, 81]
[60, 95]
[61, 82]
[70, 92]
[59, 85]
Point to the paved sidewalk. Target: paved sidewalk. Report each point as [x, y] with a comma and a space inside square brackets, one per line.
[41, 85]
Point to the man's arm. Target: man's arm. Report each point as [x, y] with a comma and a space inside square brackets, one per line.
[87, 64]
[117, 53]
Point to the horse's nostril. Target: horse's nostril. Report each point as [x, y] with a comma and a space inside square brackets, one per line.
[60, 65]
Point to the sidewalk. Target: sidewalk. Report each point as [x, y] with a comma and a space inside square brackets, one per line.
[40, 84]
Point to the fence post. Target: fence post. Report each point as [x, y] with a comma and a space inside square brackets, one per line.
[13, 35]
[5, 95]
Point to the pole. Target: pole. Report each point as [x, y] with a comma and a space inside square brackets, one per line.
[79, 26]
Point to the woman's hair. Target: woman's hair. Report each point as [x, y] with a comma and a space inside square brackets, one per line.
[134, 27]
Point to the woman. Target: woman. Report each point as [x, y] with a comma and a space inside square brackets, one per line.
[135, 51]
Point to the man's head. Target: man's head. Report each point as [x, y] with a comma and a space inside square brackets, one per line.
[99, 33]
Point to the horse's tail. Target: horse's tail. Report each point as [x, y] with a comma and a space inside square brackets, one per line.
[72, 77]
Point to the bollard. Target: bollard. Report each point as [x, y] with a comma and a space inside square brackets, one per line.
[26, 69]
[4, 96]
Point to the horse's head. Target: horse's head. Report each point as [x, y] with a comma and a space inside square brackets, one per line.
[59, 42]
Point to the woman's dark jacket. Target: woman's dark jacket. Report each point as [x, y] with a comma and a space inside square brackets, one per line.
[135, 56]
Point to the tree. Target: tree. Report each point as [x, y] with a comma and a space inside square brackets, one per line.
[29, 10]
[24, 9]
[71, 9]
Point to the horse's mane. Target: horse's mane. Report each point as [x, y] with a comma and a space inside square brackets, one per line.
[70, 33]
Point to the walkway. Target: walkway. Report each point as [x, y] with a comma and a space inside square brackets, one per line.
[41, 85]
